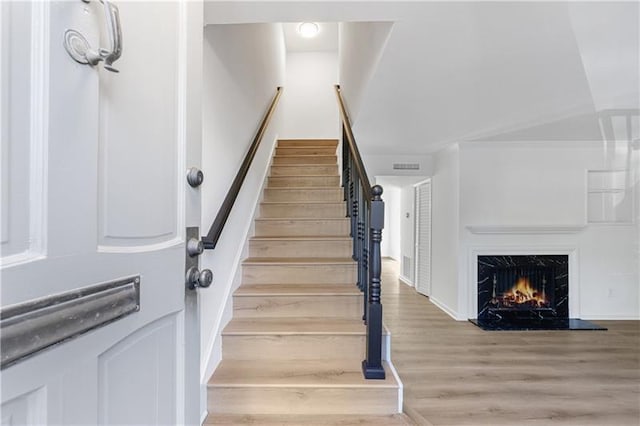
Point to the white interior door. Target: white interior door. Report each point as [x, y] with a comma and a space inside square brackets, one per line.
[94, 209]
[423, 238]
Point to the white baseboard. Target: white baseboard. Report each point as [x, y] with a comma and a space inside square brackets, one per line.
[400, 385]
[203, 402]
[446, 309]
[610, 317]
[405, 280]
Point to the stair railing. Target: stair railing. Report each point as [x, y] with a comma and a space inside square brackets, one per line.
[365, 208]
[211, 239]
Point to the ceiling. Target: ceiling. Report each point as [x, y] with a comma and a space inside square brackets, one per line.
[460, 71]
[325, 40]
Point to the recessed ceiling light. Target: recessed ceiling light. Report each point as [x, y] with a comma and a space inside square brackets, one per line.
[308, 29]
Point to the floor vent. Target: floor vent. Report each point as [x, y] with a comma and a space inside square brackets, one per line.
[406, 266]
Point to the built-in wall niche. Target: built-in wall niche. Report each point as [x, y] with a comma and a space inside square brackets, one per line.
[609, 196]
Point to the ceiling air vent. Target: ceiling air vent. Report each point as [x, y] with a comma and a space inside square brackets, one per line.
[406, 166]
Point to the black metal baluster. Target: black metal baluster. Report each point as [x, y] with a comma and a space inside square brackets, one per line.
[362, 212]
[372, 364]
[365, 260]
[345, 166]
[354, 216]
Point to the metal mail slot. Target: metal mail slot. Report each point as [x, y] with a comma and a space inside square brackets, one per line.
[30, 327]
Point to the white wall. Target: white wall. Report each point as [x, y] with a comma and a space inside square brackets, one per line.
[243, 65]
[361, 46]
[309, 104]
[504, 183]
[445, 229]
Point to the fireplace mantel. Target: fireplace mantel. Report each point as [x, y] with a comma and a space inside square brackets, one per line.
[525, 229]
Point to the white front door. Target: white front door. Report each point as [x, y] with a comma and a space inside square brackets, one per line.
[94, 209]
[423, 238]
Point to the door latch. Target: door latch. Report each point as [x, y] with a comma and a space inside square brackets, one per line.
[196, 278]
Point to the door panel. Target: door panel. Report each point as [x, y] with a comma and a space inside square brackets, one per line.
[136, 373]
[21, 150]
[138, 182]
[98, 183]
[28, 409]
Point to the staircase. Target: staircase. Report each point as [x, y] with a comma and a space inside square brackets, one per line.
[292, 353]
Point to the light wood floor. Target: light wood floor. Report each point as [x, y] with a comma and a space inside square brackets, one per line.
[454, 373]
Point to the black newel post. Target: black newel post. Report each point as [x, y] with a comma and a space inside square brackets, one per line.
[372, 365]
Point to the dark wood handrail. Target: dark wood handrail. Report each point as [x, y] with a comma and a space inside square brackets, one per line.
[211, 239]
[353, 147]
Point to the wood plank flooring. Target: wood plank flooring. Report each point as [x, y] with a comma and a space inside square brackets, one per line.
[454, 373]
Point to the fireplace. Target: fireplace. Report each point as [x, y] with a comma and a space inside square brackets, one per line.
[523, 286]
[525, 292]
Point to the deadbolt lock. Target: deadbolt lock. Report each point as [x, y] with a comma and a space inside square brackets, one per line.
[195, 177]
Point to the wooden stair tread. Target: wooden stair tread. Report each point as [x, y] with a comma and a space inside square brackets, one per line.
[299, 261]
[297, 290]
[306, 140]
[333, 175]
[304, 188]
[307, 420]
[305, 147]
[294, 326]
[313, 202]
[311, 166]
[305, 238]
[306, 155]
[310, 219]
[296, 373]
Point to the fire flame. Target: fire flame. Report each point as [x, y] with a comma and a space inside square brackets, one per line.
[524, 292]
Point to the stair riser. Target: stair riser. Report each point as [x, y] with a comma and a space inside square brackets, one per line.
[331, 195]
[303, 400]
[303, 181]
[279, 347]
[340, 248]
[303, 171]
[303, 210]
[308, 143]
[298, 306]
[299, 274]
[301, 228]
[311, 159]
[289, 150]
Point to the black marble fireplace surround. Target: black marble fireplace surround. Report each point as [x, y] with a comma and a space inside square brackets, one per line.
[525, 292]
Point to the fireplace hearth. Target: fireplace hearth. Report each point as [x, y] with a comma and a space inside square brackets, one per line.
[525, 292]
